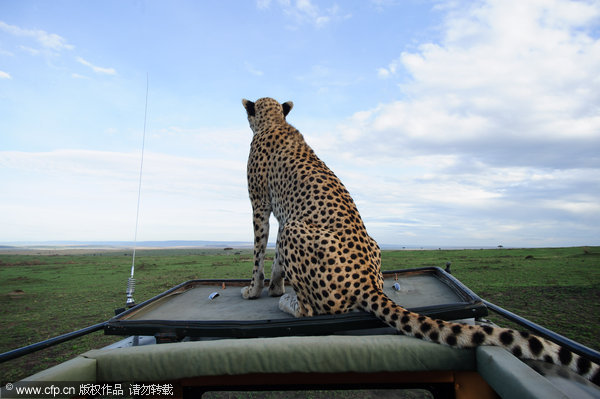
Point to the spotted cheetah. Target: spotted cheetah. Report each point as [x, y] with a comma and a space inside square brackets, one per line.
[324, 252]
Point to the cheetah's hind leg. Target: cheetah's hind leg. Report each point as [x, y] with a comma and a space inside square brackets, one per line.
[288, 303]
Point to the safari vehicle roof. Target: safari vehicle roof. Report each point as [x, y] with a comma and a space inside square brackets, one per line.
[320, 352]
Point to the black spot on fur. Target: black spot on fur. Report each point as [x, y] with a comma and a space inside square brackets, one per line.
[506, 338]
[583, 365]
[548, 359]
[488, 330]
[456, 329]
[535, 345]
[434, 336]
[478, 338]
[407, 328]
[524, 334]
[565, 356]
[517, 351]
[425, 327]
[451, 340]
[404, 319]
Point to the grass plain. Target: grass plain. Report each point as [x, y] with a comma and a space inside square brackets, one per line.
[42, 296]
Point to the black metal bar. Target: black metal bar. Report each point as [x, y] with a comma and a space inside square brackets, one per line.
[15, 353]
[565, 342]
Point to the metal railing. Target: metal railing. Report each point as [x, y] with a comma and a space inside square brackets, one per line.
[13, 354]
[550, 335]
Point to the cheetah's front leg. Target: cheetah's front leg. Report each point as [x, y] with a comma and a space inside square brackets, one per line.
[276, 286]
[261, 235]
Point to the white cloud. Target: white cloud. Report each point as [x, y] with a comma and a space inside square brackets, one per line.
[494, 136]
[92, 195]
[383, 72]
[78, 76]
[254, 71]
[262, 4]
[304, 11]
[97, 69]
[307, 10]
[50, 41]
[388, 71]
[445, 200]
[50, 44]
[5, 75]
[30, 50]
[519, 76]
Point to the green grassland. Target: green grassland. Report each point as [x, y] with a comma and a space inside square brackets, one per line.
[42, 296]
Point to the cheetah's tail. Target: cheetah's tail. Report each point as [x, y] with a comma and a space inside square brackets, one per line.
[521, 344]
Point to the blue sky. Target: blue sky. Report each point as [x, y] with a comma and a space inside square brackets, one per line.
[451, 123]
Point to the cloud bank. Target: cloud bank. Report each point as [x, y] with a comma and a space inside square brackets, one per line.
[181, 197]
[496, 133]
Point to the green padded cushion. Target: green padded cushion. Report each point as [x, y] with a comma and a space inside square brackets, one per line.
[329, 354]
[511, 378]
[77, 369]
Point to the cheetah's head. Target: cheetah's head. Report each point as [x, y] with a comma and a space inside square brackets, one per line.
[266, 111]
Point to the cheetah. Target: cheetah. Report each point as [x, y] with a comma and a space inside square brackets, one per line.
[325, 254]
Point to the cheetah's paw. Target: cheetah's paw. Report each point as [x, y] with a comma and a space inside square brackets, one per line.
[251, 292]
[289, 304]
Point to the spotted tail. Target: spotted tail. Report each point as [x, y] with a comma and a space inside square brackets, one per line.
[522, 344]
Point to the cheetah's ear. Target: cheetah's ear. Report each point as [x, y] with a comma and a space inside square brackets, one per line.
[287, 107]
[249, 105]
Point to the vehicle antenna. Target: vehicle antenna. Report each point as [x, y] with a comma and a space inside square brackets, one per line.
[131, 281]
